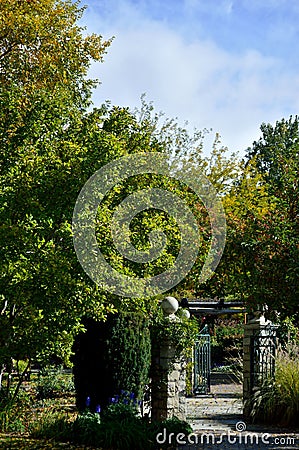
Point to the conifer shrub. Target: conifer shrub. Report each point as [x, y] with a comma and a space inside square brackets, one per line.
[110, 357]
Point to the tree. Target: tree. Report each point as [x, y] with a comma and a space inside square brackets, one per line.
[50, 145]
[277, 159]
[44, 95]
[276, 155]
[261, 259]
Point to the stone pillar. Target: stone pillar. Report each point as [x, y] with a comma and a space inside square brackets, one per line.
[256, 327]
[168, 392]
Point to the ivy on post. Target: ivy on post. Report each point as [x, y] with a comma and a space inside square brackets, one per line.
[172, 334]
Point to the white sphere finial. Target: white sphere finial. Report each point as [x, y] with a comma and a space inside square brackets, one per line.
[170, 305]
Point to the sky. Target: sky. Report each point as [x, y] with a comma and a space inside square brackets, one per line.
[229, 65]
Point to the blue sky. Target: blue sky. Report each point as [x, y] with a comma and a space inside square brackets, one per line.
[228, 65]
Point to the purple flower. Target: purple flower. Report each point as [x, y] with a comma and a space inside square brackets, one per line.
[87, 402]
[132, 395]
[113, 400]
[139, 402]
[126, 401]
[98, 409]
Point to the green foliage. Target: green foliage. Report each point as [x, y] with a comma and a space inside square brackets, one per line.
[87, 428]
[125, 435]
[12, 418]
[261, 257]
[175, 425]
[51, 143]
[52, 383]
[129, 352]
[228, 333]
[43, 49]
[288, 332]
[189, 372]
[277, 400]
[120, 410]
[170, 428]
[117, 427]
[181, 332]
[276, 155]
[55, 426]
[44, 96]
[120, 431]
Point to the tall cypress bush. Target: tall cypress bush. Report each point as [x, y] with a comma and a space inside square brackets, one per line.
[110, 357]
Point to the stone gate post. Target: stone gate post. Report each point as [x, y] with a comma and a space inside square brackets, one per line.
[259, 346]
[168, 392]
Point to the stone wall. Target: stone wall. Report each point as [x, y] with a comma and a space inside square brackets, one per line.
[168, 384]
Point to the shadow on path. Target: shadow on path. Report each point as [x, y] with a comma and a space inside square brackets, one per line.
[218, 423]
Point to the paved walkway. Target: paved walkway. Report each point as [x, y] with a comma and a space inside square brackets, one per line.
[220, 410]
[218, 423]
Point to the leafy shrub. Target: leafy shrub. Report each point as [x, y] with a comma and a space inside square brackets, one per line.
[118, 428]
[181, 333]
[170, 428]
[54, 425]
[121, 429]
[189, 372]
[86, 428]
[12, 417]
[53, 382]
[126, 434]
[130, 352]
[288, 332]
[122, 407]
[175, 425]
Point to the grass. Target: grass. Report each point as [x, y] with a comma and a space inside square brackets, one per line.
[43, 417]
[39, 403]
[25, 443]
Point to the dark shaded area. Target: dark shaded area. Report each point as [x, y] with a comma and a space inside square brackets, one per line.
[111, 357]
[92, 376]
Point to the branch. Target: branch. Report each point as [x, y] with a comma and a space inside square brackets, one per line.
[4, 307]
[8, 50]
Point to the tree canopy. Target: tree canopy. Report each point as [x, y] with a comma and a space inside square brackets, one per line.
[260, 264]
[44, 95]
[52, 142]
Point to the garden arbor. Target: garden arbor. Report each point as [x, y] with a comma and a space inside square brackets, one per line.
[259, 350]
[203, 354]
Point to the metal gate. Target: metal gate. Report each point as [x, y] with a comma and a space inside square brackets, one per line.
[202, 363]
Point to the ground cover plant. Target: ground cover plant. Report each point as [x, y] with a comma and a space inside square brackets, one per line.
[44, 415]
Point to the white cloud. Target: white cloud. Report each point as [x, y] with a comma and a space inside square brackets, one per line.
[195, 81]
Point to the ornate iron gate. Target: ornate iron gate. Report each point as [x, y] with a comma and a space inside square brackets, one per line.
[263, 350]
[202, 363]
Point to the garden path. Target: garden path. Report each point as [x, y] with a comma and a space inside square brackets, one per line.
[216, 418]
[221, 409]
